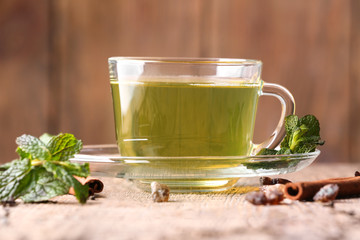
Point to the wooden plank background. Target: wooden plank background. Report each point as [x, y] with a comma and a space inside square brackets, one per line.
[54, 73]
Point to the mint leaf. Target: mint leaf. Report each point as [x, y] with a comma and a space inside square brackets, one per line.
[270, 164]
[5, 166]
[312, 124]
[291, 123]
[305, 148]
[75, 169]
[14, 179]
[306, 137]
[81, 191]
[267, 151]
[64, 146]
[302, 136]
[23, 154]
[284, 151]
[285, 142]
[60, 173]
[296, 137]
[46, 137]
[32, 146]
[43, 186]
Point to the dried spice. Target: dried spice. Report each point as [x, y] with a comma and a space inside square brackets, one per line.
[159, 192]
[268, 194]
[276, 187]
[327, 193]
[305, 191]
[256, 198]
[273, 181]
[274, 196]
[322, 190]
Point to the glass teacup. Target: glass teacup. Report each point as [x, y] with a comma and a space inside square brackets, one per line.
[183, 108]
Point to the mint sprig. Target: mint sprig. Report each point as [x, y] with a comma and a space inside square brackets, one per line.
[302, 136]
[43, 170]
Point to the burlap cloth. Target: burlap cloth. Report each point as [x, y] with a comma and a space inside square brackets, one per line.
[124, 212]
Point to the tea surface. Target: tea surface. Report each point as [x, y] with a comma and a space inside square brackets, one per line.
[158, 118]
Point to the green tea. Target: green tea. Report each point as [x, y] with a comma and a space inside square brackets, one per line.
[180, 118]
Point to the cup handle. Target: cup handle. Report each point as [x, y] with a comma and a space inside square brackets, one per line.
[287, 108]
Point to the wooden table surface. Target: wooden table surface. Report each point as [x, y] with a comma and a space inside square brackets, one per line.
[124, 212]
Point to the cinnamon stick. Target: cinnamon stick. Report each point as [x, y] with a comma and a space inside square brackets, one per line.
[348, 187]
[95, 185]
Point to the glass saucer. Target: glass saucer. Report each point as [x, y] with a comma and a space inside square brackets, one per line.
[189, 174]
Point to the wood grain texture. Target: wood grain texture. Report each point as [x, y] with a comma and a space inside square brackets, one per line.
[95, 32]
[58, 25]
[354, 119]
[312, 48]
[304, 47]
[124, 212]
[23, 72]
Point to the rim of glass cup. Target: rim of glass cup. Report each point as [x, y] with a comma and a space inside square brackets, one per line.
[186, 60]
[111, 149]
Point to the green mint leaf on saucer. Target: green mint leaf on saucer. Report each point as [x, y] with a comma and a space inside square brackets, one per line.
[302, 136]
[43, 170]
[267, 151]
[64, 146]
[312, 124]
[33, 146]
[306, 137]
[284, 151]
[291, 123]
